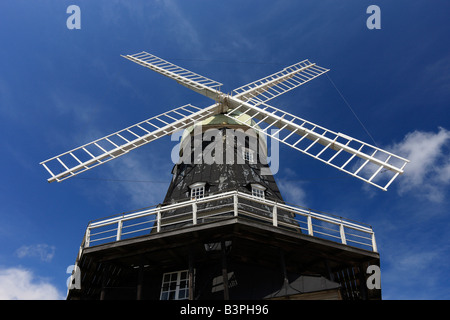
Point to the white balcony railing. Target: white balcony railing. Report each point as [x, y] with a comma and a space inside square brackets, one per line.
[225, 205]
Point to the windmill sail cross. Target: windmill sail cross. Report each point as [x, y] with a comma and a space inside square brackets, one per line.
[347, 154]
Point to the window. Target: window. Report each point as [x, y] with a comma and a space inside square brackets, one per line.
[197, 190]
[175, 286]
[258, 193]
[258, 190]
[247, 154]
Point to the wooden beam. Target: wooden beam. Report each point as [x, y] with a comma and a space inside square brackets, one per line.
[191, 276]
[226, 294]
[140, 281]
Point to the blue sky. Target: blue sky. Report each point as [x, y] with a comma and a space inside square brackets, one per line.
[62, 88]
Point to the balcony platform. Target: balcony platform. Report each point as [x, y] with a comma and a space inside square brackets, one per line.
[258, 246]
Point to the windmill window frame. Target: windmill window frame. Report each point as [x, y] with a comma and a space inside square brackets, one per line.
[258, 190]
[248, 155]
[175, 285]
[197, 190]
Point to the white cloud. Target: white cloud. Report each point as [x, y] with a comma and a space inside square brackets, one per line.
[22, 284]
[428, 173]
[42, 251]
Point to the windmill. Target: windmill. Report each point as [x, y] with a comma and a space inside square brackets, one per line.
[245, 107]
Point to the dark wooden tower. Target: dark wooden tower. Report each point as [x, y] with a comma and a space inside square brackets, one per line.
[239, 242]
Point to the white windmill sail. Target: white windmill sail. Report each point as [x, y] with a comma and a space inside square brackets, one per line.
[102, 150]
[189, 79]
[359, 159]
[272, 86]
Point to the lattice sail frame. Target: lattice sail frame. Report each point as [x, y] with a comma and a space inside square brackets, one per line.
[357, 158]
[270, 87]
[354, 157]
[189, 79]
[105, 149]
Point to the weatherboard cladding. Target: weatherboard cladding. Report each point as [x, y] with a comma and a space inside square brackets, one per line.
[221, 177]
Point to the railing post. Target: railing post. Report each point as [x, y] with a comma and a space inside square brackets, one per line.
[119, 230]
[194, 212]
[274, 216]
[158, 221]
[88, 237]
[310, 228]
[235, 204]
[341, 228]
[374, 244]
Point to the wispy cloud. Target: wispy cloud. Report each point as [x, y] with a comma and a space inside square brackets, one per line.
[136, 180]
[5, 99]
[437, 77]
[411, 267]
[183, 28]
[170, 17]
[44, 252]
[428, 173]
[143, 181]
[22, 284]
[292, 192]
[73, 110]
